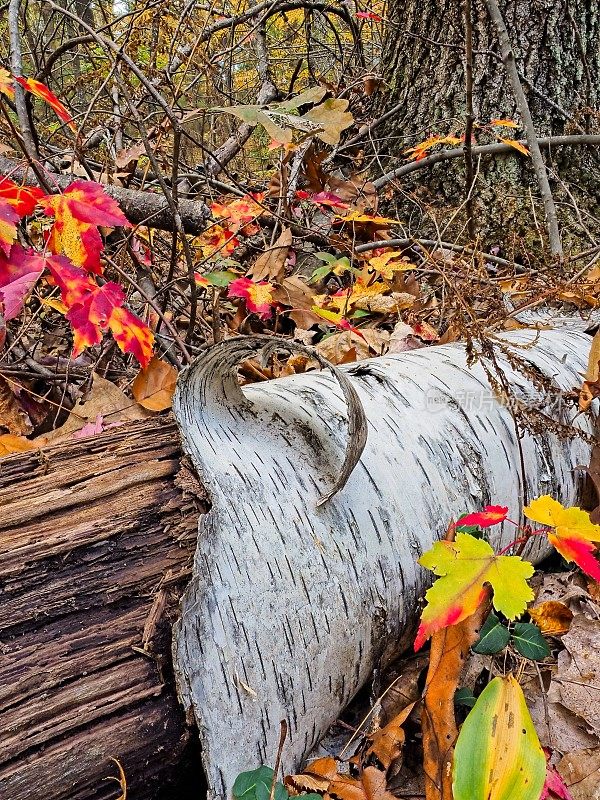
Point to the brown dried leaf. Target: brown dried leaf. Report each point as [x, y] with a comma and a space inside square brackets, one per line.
[315, 778]
[9, 443]
[387, 742]
[270, 265]
[372, 785]
[591, 384]
[294, 292]
[154, 386]
[333, 116]
[581, 772]
[552, 617]
[11, 415]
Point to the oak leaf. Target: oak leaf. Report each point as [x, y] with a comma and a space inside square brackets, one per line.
[465, 566]
[333, 117]
[270, 265]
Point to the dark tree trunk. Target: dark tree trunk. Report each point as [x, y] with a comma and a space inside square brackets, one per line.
[556, 44]
[96, 541]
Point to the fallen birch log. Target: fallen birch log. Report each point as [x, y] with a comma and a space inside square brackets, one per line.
[292, 604]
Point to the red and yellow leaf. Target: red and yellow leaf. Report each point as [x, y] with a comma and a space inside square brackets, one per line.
[77, 213]
[132, 335]
[9, 219]
[216, 240]
[574, 533]
[7, 84]
[22, 198]
[257, 296]
[465, 566]
[491, 515]
[43, 92]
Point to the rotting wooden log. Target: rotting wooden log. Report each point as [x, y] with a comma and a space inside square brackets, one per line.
[292, 604]
[96, 539]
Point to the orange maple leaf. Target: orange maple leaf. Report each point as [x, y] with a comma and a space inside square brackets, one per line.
[241, 214]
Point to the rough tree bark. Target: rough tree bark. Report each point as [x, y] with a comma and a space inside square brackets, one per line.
[291, 606]
[96, 539]
[557, 53]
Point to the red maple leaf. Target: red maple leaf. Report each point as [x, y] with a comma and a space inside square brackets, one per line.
[257, 296]
[22, 198]
[43, 92]
[18, 274]
[491, 515]
[93, 309]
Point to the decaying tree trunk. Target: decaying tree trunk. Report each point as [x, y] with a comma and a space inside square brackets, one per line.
[292, 604]
[96, 538]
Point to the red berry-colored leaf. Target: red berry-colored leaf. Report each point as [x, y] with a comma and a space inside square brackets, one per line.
[43, 92]
[491, 515]
[257, 296]
[9, 220]
[368, 15]
[132, 335]
[19, 271]
[22, 198]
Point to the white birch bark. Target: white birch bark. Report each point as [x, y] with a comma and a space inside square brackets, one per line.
[291, 604]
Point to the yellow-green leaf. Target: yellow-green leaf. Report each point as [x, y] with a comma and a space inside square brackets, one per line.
[498, 755]
[465, 566]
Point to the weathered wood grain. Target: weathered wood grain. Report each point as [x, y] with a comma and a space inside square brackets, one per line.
[96, 539]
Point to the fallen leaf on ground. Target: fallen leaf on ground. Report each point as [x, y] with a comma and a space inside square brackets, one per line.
[271, 264]
[577, 681]
[9, 443]
[552, 617]
[12, 417]
[387, 742]
[104, 399]
[581, 771]
[154, 386]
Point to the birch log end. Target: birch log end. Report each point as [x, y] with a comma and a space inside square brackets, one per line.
[291, 604]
